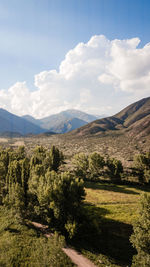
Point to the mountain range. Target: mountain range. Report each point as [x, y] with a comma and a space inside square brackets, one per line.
[64, 121]
[134, 119]
[12, 125]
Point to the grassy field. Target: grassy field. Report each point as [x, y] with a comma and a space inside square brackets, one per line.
[119, 201]
[115, 207]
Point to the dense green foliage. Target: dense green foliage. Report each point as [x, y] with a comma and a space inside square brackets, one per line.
[141, 236]
[142, 165]
[20, 245]
[115, 169]
[33, 188]
[94, 166]
[81, 164]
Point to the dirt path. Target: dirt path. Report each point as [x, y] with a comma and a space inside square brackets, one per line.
[78, 258]
[75, 256]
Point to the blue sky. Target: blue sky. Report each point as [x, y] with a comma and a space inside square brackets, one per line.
[37, 34]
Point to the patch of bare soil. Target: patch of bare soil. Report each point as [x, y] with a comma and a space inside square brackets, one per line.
[78, 258]
[3, 140]
[19, 143]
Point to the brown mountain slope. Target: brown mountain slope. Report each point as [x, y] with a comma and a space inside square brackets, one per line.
[135, 111]
[134, 118]
[140, 127]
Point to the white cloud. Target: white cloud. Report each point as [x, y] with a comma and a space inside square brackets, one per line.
[93, 77]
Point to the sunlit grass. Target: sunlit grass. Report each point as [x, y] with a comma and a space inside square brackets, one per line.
[119, 201]
[116, 206]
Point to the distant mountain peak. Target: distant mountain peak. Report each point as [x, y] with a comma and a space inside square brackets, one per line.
[63, 121]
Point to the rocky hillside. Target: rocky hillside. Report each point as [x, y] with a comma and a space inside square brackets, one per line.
[134, 119]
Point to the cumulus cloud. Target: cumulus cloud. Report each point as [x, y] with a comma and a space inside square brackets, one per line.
[93, 77]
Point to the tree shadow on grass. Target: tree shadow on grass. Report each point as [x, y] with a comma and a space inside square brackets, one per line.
[144, 188]
[37, 231]
[111, 187]
[112, 240]
[12, 230]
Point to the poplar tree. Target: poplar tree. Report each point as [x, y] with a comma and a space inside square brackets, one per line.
[56, 158]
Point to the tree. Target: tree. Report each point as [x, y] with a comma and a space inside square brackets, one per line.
[67, 196]
[115, 169]
[96, 164]
[4, 162]
[140, 238]
[42, 162]
[38, 156]
[81, 164]
[15, 200]
[60, 198]
[14, 175]
[48, 159]
[142, 166]
[56, 158]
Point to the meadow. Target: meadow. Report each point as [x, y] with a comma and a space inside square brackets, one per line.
[115, 207]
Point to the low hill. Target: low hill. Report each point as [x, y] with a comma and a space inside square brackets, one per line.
[134, 118]
[15, 124]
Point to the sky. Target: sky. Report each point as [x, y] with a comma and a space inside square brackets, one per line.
[92, 55]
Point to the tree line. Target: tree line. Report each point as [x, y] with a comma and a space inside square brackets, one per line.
[95, 167]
